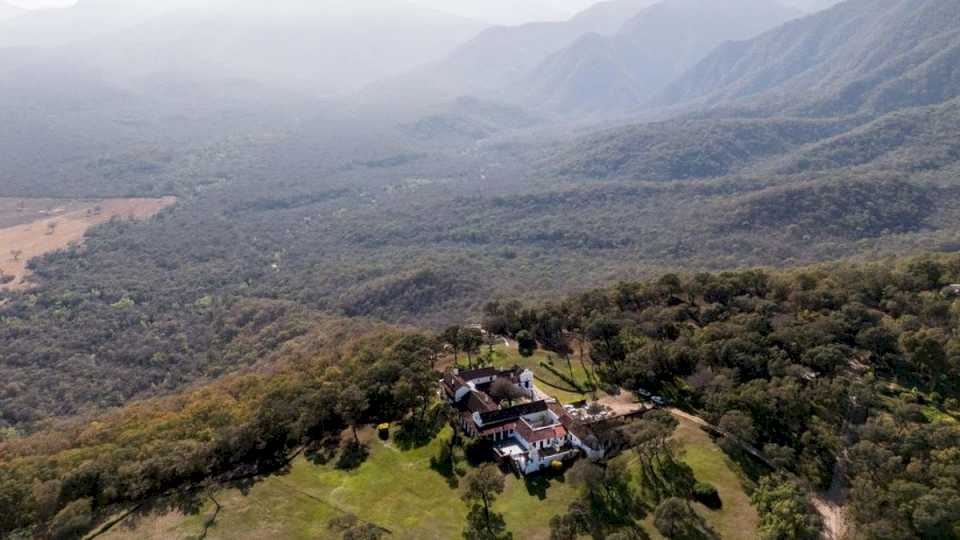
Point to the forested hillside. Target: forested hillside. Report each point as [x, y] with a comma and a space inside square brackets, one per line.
[170, 453]
[861, 56]
[621, 71]
[843, 375]
[830, 138]
[840, 374]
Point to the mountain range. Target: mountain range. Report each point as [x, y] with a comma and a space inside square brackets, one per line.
[635, 139]
[620, 71]
[319, 48]
[904, 56]
[503, 55]
[861, 56]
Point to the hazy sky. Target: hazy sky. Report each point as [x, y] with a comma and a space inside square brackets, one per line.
[493, 11]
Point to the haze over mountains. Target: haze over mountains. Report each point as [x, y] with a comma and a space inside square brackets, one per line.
[504, 55]
[388, 161]
[320, 48]
[859, 56]
[650, 50]
[850, 110]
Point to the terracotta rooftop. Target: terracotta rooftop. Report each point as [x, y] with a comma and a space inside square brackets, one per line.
[537, 435]
[497, 428]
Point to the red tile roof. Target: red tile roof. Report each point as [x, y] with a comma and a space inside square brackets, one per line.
[536, 435]
[496, 429]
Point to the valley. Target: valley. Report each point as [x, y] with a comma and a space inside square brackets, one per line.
[241, 244]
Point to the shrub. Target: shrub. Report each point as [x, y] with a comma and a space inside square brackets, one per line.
[707, 495]
[73, 520]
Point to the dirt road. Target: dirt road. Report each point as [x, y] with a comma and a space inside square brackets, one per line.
[829, 505]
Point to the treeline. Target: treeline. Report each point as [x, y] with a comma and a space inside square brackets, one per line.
[167, 453]
[845, 370]
[141, 309]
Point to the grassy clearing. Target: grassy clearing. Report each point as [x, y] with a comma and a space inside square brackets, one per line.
[394, 489]
[30, 228]
[548, 381]
[737, 518]
[399, 491]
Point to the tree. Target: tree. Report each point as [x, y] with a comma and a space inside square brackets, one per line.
[365, 531]
[650, 437]
[504, 389]
[71, 522]
[470, 341]
[351, 404]
[926, 350]
[16, 254]
[606, 500]
[526, 344]
[785, 513]
[672, 517]
[605, 344]
[739, 425]
[483, 485]
[451, 337]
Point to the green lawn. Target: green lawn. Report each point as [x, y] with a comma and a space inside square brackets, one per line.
[394, 489]
[548, 381]
[737, 519]
[399, 491]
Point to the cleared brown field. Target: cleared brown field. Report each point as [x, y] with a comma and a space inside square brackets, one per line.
[31, 227]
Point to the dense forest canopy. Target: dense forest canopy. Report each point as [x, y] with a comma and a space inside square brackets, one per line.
[291, 207]
[844, 374]
[841, 373]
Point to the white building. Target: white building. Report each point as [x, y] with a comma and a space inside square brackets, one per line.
[530, 435]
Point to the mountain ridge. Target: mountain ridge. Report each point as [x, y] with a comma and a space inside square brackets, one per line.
[653, 48]
[502, 55]
[858, 56]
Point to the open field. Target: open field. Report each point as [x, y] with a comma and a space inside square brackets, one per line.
[394, 489]
[737, 519]
[397, 490]
[32, 227]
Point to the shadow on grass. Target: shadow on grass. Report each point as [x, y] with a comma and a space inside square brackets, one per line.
[447, 463]
[538, 484]
[352, 455]
[671, 478]
[479, 452]
[419, 432]
[322, 452]
[751, 468]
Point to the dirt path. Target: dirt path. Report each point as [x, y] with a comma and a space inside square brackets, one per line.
[833, 516]
[829, 505]
[624, 404]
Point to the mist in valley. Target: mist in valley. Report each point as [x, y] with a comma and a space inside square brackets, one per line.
[233, 233]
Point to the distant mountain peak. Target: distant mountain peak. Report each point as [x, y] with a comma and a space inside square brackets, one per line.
[620, 71]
